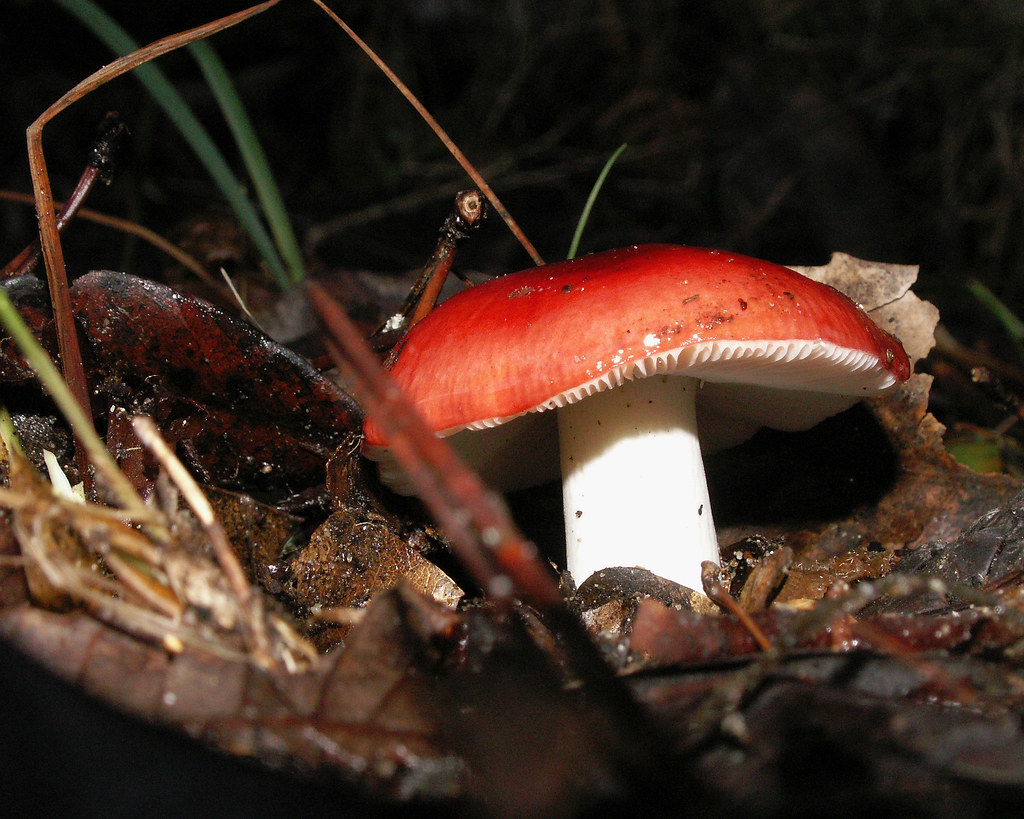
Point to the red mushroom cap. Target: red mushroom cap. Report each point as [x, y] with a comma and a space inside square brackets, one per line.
[550, 335]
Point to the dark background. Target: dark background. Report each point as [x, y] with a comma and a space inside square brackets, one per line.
[890, 130]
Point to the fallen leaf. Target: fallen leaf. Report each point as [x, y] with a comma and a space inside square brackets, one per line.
[874, 479]
[246, 412]
[362, 716]
[883, 290]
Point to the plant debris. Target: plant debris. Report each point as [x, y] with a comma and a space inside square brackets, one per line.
[289, 610]
[419, 700]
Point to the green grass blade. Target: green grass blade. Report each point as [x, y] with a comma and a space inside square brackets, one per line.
[173, 104]
[255, 158]
[585, 215]
[1009, 320]
[82, 426]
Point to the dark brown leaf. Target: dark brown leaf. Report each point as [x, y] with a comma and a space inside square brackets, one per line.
[352, 557]
[245, 412]
[196, 351]
[28, 295]
[363, 715]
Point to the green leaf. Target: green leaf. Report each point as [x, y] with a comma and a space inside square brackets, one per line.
[585, 215]
[1010, 322]
[256, 162]
[177, 109]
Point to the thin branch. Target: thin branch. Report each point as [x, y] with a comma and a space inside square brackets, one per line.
[53, 253]
[483, 537]
[442, 135]
[186, 260]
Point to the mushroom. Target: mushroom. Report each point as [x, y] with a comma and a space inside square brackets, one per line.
[646, 355]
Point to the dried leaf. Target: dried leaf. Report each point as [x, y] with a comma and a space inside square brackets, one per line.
[362, 715]
[884, 291]
[47, 545]
[856, 488]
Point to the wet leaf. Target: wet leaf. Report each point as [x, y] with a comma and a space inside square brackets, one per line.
[242, 406]
[989, 553]
[187, 344]
[850, 734]
[351, 557]
[29, 297]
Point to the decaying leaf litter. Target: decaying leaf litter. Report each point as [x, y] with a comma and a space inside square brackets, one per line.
[420, 701]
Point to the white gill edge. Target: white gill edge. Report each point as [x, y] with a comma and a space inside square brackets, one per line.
[814, 366]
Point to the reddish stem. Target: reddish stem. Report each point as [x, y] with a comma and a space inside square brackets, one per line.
[483, 537]
[26, 261]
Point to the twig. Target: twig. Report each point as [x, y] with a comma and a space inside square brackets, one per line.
[53, 253]
[468, 212]
[126, 226]
[251, 621]
[714, 588]
[98, 168]
[483, 537]
[435, 126]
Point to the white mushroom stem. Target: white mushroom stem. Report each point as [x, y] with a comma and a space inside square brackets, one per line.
[633, 481]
